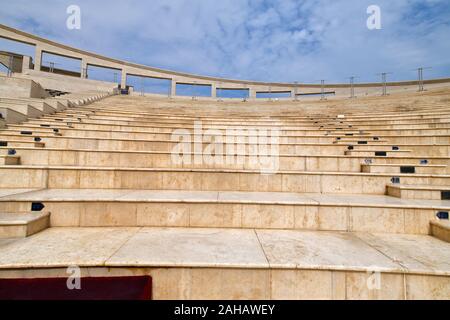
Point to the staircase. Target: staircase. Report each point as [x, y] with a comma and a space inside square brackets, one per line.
[353, 207]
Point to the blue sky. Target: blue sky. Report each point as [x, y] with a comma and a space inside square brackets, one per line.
[285, 40]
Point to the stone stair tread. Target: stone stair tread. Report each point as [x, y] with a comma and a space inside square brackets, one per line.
[180, 196]
[8, 156]
[228, 248]
[220, 170]
[444, 224]
[20, 218]
[440, 229]
[406, 165]
[418, 187]
[370, 150]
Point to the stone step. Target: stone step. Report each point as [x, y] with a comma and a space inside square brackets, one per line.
[260, 210]
[28, 143]
[371, 153]
[15, 134]
[422, 140]
[199, 263]
[9, 160]
[106, 109]
[12, 116]
[419, 149]
[103, 115]
[114, 120]
[47, 106]
[441, 229]
[283, 131]
[154, 129]
[161, 159]
[22, 224]
[400, 132]
[403, 168]
[25, 109]
[379, 147]
[394, 140]
[206, 179]
[219, 111]
[353, 141]
[92, 120]
[416, 139]
[430, 192]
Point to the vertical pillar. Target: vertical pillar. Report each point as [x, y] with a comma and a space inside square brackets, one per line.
[322, 89]
[421, 86]
[26, 62]
[383, 80]
[84, 67]
[123, 79]
[352, 87]
[214, 90]
[252, 93]
[37, 58]
[173, 88]
[293, 94]
[10, 65]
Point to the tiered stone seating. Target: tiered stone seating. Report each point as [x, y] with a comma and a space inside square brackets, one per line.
[360, 192]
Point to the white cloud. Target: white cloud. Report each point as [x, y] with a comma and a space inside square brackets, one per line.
[285, 40]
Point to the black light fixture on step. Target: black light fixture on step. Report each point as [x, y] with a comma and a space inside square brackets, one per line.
[442, 215]
[37, 206]
[395, 180]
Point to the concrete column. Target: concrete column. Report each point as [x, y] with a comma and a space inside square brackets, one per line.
[37, 58]
[252, 93]
[293, 94]
[173, 88]
[84, 67]
[123, 80]
[214, 90]
[26, 62]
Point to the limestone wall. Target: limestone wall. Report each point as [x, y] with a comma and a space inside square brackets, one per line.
[14, 87]
[66, 83]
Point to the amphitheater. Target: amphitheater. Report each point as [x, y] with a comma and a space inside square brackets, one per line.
[356, 207]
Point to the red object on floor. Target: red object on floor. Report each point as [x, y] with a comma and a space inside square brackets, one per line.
[92, 288]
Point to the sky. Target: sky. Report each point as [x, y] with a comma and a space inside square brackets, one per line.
[282, 41]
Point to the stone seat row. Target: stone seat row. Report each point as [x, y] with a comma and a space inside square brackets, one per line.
[30, 155]
[15, 134]
[199, 263]
[207, 209]
[74, 177]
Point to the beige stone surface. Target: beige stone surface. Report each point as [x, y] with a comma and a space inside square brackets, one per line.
[432, 255]
[133, 195]
[8, 192]
[61, 247]
[228, 248]
[191, 247]
[322, 250]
